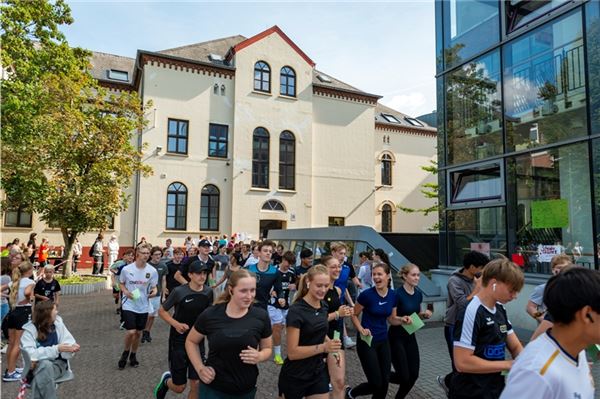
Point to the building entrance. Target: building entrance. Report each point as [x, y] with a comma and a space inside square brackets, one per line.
[266, 225]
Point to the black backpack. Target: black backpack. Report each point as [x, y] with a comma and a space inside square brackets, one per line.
[91, 251]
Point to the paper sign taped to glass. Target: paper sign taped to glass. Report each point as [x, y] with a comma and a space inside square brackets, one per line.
[550, 214]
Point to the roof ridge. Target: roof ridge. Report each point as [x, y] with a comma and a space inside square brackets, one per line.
[203, 43]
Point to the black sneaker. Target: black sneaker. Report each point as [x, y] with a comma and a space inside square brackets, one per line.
[123, 360]
[144, 332]
[133, 360]
[161, 389]
[148, 337]
[348, 395]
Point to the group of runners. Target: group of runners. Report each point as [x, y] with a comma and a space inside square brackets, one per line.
[262, 299]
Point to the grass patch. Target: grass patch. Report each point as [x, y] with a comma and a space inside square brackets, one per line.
[73, 280]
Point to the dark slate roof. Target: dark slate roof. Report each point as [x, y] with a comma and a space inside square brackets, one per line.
[202, 51]
[381, 109]
[102, 62]
[430, 118]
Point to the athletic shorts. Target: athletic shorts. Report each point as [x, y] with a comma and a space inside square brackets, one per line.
[277, 315]
[154, 305]
[134, 321]
[18, 317]
[293, 388]
[179, 364]
[206, 392]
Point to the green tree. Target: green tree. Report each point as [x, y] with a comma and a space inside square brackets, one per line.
[429, 191]
[67, 143]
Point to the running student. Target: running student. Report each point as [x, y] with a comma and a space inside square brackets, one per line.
[239, 337]
[277, 311]
[484, 332]
[155, 261]
[189, 300]
[268, 279]
[554, 366]
[202, 256]
[304, 374]
[336, 362]
[233, 266]
[138, 283]
[49, 344]
[462, 286]
[21, 295]
[173, 266]
[535, 306]
[373, 348]
[403, 346]
[47, 288]
[115, 271]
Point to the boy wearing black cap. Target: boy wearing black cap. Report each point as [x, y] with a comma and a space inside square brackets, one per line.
[189, 300]
[554, 365]
[203, 256]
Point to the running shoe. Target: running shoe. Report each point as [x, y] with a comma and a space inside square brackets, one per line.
[442, 383]
[4, 348]
[349, 343]
[19, 370]
[10, 377]
[348, 395]
[133, 360]
[123, 360]
[122, 325]
[278, 360]
[148, 337]
[161, 389]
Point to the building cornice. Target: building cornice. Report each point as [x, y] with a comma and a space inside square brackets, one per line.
[116, 86]
[407, 130]
[345, 94]
[183, 64]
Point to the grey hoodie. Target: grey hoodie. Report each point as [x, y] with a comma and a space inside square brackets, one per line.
[459, 288]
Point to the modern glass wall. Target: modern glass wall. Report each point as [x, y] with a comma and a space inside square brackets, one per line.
[469, 28]
[596, 192]
[474, 110]
[593, 57]
[544, 85]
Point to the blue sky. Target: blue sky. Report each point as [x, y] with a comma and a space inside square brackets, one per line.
[385, 48]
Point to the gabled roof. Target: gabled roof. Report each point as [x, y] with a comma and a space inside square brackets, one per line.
[202, 51]
[103, 62]
[262, 35]
[403, 123]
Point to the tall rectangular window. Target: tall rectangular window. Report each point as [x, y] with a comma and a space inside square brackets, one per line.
[544, 85]
[287, 161]
[17, 218]
[260, 158]
[177, 138]
[217, 140]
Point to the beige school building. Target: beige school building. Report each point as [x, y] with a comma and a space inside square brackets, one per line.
[246, 135]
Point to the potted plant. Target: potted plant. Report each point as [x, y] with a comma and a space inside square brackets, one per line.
[548, 93]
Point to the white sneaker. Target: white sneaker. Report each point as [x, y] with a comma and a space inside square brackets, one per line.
[4, 348]
[14, 376]
[348, 343]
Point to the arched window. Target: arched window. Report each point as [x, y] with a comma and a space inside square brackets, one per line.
[273, 205]
[262, 77]
[209, 208]
[386, 218]
[176, 206]
[386, 170]
[260, 158]
[287, 82]
[287, 161]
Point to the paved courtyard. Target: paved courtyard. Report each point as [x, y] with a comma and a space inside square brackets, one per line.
[94, 324]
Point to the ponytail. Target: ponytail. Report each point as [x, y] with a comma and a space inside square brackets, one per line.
[17, 274]
[307, 278]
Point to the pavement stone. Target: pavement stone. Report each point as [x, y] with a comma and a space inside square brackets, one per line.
[92, 320]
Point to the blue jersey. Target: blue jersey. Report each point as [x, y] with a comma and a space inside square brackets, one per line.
[346, 273]
[266, 281]
[376, 310]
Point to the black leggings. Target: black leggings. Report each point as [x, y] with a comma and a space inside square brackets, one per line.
[376, 363]
[405, 358]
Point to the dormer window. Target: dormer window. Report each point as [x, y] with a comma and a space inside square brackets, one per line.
[391, 118]
[414, 122]
[115, 74]
[324, 78]
[262, 77]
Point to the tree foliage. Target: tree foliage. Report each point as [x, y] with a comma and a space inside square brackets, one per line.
[67, 143]
[429, 191]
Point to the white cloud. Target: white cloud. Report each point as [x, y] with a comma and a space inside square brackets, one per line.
[411, 104]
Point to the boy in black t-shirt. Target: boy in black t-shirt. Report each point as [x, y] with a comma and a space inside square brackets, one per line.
[278, 312]
[47, 288]
[189, 300]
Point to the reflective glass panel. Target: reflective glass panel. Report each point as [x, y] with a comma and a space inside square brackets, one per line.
[593, 51]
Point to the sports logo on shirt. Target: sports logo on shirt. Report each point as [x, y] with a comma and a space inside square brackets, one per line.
[147, 275]
[503, 328]
[494, 352]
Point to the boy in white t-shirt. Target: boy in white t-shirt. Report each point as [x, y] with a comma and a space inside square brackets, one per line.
[554, 365]
[138, 282]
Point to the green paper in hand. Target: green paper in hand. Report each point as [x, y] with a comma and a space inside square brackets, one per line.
[592, 353]
[416, 324]
[367, 339]
[336, 335]
[136, 294]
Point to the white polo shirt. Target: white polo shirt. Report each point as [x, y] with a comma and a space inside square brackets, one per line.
[543, 370]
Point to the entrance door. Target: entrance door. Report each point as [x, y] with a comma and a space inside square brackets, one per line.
[266, 225]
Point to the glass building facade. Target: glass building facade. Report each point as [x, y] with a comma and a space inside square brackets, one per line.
[518, 93]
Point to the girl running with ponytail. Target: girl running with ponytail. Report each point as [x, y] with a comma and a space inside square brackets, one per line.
[21, 294]
[304, 373]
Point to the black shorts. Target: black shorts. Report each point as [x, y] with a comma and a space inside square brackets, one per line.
[293, 388]
[134, 321]
[18, 317]
[179, 364]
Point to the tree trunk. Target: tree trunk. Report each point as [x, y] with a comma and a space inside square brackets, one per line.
[69, 238]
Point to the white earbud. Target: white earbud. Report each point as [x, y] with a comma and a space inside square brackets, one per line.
[494, 287]
[307, 285]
